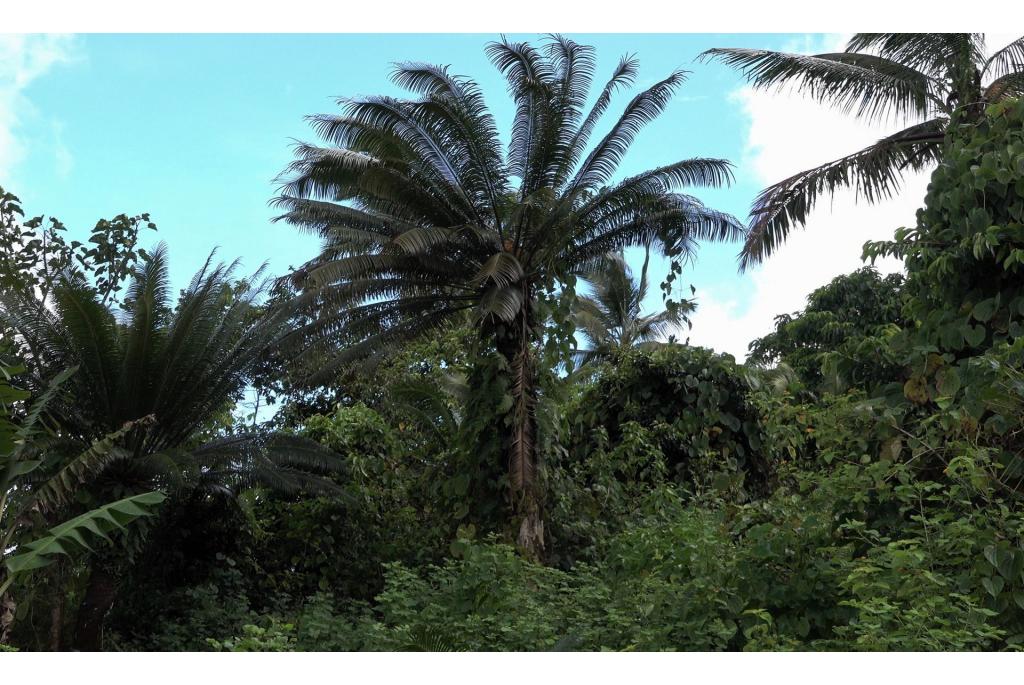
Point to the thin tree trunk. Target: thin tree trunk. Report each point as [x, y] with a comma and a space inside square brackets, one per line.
[99, 597]
[516, 347]
[7, 609]
[57, 622]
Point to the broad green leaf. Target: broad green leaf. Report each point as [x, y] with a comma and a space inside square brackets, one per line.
[68, 538]
[948, 381]
[984, 310]
[993, 585]
[974, 335]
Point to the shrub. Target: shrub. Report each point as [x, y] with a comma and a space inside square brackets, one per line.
[693, 405]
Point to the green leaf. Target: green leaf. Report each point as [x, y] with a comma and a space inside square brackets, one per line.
[984, 310]
[947, 381]
[70, 537]
[974, 335]
[993, 585]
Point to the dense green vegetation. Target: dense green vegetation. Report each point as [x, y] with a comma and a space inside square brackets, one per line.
[466, 454]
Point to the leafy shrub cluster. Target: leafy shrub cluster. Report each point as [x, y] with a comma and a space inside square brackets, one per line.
[689, 403]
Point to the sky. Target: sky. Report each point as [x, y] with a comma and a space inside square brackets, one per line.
[194, 129]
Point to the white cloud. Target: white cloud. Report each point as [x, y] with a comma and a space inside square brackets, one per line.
[23, 59]
[789, 133]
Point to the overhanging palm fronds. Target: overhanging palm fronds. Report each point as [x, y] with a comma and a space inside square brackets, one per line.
[927, 77]
[874, 173]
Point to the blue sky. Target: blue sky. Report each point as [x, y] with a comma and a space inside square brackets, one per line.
[194, 128]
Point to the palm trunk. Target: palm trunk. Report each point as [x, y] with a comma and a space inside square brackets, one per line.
[99, 597]
[516, 347]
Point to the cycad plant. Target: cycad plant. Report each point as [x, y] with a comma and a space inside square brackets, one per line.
[922, 78]
[151, 375]
[425, 219]
[611, 318]
[32, 536]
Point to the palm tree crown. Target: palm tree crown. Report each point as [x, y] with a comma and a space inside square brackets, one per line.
[923, 77]
[611, 318]
[159, 367]
[424, 219]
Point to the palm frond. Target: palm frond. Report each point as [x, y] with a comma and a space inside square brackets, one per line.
[1005, 61]
[867, 85]
[602, 162]
[928, 52]
[874, 172]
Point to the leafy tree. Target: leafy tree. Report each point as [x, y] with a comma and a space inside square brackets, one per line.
[926, 77]
[962, 346]
[610, 319]
[838, 330]
[425, 220]
[686, 406]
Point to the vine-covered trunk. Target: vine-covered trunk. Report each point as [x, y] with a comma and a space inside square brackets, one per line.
[7, 609]
[516, 346]
[99, 597]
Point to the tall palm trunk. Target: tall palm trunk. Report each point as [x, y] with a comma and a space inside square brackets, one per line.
[99, 597]
[516, 346]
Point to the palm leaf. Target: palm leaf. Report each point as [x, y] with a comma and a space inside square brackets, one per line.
[868, 85]
[1007, 60]
[874, 172]
[58, 489]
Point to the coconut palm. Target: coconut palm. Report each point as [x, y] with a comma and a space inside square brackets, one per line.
[610, 319]
[424, 218]
[924, 78]
[148, 380]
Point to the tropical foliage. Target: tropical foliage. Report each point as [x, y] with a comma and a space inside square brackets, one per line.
[611, 318]
[855, 484]
[926, 78]
[838, 340]
[426, 222]
[148, 378]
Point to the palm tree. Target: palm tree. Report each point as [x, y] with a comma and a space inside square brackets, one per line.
[610, 318]
[424, 218]
[151, 376]
[923, 77]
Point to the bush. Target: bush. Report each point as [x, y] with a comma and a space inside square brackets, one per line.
[689, 403]
[833, 343]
